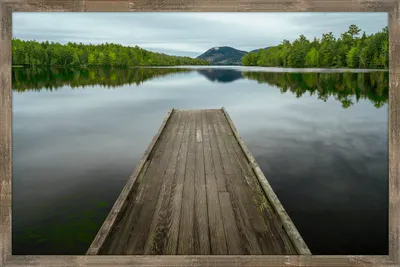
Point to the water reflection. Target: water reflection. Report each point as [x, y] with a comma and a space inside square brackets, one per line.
[37, 79]
[346, 87]
[221, 75]
[74, 149]
[342, 86]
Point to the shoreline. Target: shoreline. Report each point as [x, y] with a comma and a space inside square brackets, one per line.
[241, 67]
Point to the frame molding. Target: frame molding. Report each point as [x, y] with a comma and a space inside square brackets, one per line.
[8, 6]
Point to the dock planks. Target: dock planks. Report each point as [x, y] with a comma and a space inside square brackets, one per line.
[197, 191]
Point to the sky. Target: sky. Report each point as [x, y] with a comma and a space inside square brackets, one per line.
[188, 34]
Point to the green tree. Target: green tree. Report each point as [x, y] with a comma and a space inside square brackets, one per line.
[353, 30]
[349, 50]
[312, 58]
[352, 57]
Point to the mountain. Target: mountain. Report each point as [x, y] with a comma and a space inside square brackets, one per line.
[223, 55]
[256, 50]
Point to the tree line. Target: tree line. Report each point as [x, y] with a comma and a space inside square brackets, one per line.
[33, 53]
[350, 50]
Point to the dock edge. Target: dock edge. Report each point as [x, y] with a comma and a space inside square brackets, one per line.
[287, 223]
[120, 203]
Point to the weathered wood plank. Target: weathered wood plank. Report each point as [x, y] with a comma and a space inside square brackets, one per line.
[117, 245]
[233, 239]
[202, 241]
[199, 138]
[269, 240]
[245, 212]
[215, 224]
[260, 200]
[122, 201]
[119, 238]
[244, 215]
[215, 153]
[287, 223]
[186, 235]
[224, 154]
[156, 241]
[146, 206]
[183, 123]
[177, 192]
[208, 161]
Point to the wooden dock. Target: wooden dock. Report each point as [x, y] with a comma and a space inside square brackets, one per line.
[197, 191]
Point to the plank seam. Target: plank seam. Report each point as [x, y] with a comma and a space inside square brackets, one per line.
[205, 175]
[183, 188]
[212, 154]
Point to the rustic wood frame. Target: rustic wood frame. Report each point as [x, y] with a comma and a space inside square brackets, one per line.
[392, 7]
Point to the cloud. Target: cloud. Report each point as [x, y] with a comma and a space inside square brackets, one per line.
[188, 34]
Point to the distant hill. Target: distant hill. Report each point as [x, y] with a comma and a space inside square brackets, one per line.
[223, 55]
[256, 50]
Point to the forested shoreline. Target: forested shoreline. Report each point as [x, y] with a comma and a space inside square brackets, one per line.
[350, 50]
[33, 53]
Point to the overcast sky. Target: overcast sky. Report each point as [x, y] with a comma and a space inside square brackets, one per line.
[188, 34]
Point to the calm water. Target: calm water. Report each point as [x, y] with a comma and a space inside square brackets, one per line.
[320, 137]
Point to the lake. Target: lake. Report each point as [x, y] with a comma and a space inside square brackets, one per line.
[319, 136]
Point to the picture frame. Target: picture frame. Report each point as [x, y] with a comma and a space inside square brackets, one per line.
[392, 7]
